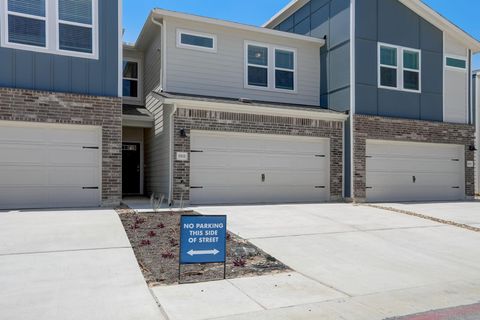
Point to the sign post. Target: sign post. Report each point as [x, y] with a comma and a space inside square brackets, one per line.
[203, 239]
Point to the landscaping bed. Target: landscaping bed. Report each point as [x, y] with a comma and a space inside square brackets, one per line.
[155, 240]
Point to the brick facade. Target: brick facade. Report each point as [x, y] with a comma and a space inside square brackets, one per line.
[380, 128]
[250, 123]
[39, 106]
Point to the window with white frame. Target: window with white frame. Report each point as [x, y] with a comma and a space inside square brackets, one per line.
[131, 79]
[456, 63]
[399, 68]
[269, 67]
[75, 25]
[284, 69]
[196, 40]
[66, 27]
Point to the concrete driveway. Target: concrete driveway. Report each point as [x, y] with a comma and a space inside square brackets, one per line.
[460, 212]
[70, 264]
[385, 264]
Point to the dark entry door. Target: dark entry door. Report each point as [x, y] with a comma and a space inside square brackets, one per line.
[131, 168]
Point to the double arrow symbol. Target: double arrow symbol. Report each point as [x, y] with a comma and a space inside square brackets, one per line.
[203, 252]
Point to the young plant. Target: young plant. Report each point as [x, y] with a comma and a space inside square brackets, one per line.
[145, 242]
[168, 255]
[152, 234]
[239, 262]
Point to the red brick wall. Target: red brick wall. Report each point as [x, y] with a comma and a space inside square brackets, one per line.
[373, 127]
[39, 106]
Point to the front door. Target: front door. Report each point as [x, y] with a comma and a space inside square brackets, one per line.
[131, 168]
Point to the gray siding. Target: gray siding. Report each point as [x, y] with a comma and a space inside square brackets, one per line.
[40, 71]
[330, 19]
[391, 22]
[157, 149]
[221, 74]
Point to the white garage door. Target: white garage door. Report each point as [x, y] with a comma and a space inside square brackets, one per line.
[250, 168]
[48, 165]
[405, 171]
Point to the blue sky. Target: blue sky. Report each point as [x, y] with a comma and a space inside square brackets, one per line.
[464, 13]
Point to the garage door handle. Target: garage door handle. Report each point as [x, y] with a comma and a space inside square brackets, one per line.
[96, 148]
[90, 188]
[414, 179]
[263, 177]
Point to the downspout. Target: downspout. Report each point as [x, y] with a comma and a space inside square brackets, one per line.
[162, 52]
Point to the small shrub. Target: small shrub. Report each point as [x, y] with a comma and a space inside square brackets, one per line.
[168, 255]
[139, 220]
[145, 242]
[134, 226]
[152, 234]
[239, 262]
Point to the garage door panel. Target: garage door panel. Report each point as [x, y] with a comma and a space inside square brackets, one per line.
[70, 156]
[22, 176]
[45, 165]
[225, 178]
[407, 165]
[407, 171]
[22, 154]
[379, 179]
[229, 168]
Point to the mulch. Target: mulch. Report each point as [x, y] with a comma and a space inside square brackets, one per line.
[155, 240]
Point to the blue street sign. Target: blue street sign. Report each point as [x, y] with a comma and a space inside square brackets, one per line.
[203, 239]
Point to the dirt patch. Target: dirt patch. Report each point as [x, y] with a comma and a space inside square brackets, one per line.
[155, 241]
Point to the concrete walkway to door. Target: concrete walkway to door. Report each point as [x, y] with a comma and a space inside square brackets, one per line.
[70, 264]
[383, 264]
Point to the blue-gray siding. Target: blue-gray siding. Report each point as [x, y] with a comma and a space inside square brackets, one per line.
[330, 19]
[41, 71]
[391, 22]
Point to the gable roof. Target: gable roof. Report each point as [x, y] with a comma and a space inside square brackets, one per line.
[417, 6]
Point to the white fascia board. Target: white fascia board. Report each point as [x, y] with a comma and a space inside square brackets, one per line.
[285, 12]
[255, 109]
[165, 13]
[442, 23]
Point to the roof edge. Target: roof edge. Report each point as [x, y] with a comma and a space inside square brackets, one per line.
[236, 25]
[418, 6]
[255, 109]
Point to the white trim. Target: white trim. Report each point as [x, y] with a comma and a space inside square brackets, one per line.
[353, 89]
[457, 57]
[255, 109]
[213, 37]
[166, 13]
[399, 67]
[271, 68]
[52, 28]
[139, 98]
[163, 56]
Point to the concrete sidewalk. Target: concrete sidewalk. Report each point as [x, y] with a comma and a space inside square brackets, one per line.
[380, 264]
[70, 264]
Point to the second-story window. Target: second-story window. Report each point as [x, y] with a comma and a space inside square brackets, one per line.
[27, 22]
[75, 25]
[65, 27]
[269, 67]
[130, 79]
[257, 66]
[196, 40]
[284, 69]
[399, 68]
